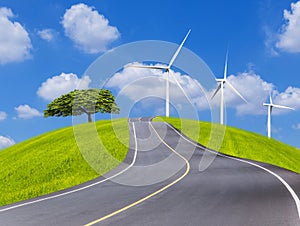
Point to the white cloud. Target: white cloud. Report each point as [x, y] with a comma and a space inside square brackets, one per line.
[46, 34]
[270, 40]
[289, 36]
[251, 86]
[27, 112]
[3, 115]
[296, 126]
[290, 97]
[134, 79]
[15, 44]
[6, 142]
[257, 91]
[89, 30]
[130, 76]
[61, 84]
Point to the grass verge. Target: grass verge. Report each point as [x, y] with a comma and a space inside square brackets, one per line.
[53, 161]
[240, 143]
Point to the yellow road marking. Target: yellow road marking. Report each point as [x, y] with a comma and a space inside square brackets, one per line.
[152, 194]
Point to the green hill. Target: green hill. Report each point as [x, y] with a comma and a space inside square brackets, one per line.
[52, 161]
[239, 143]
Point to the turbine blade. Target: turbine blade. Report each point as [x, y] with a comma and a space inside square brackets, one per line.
[217, 90]
[225, 67]
[283, 107]
[181, 88]
[148, 66]
[271, 101]
[233, 89]
[178, 50]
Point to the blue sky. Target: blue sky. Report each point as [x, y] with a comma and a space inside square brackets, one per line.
[43, 54]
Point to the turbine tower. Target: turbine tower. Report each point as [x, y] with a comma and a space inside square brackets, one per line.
[220, 88]
[166, 69]
[270, 107]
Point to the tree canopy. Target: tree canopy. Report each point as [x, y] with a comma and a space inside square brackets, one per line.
[78, 102]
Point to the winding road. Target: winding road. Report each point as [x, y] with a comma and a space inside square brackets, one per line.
[159, 183]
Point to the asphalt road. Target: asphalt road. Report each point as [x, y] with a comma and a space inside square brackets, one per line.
[161, 185]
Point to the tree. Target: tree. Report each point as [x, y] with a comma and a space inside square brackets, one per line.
[78, 102]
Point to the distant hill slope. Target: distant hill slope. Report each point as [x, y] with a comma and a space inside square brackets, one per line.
[52, 161]
[240, 143]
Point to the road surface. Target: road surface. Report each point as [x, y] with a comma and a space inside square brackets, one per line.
[161, 185]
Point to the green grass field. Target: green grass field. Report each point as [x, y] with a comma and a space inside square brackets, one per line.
[57, 160]
[53, 161]
[239, 143]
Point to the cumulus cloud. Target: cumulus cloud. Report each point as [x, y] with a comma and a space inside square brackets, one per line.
[15, 44]
[3, 115]
[6, 142]
[61, 84]
[290, 97]
[134, 80]
[252, 87]
[296, 126]
[88, 29]
[257, 91]
[27, 112]
[46, 34]
[289, 36]
[130, 75]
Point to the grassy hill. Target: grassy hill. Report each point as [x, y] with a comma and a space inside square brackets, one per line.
[239, 143]
[52, 161]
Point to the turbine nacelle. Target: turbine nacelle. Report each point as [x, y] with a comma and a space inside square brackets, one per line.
[277, 105]
[265, 104]
[166, 69]
[222, 82]
[149, 66]
[270, 107]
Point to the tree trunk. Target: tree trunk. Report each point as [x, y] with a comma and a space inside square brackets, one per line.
[89, 117]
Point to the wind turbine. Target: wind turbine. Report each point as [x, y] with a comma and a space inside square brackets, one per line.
[270, 107]
[222, 82]
[166, 69]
